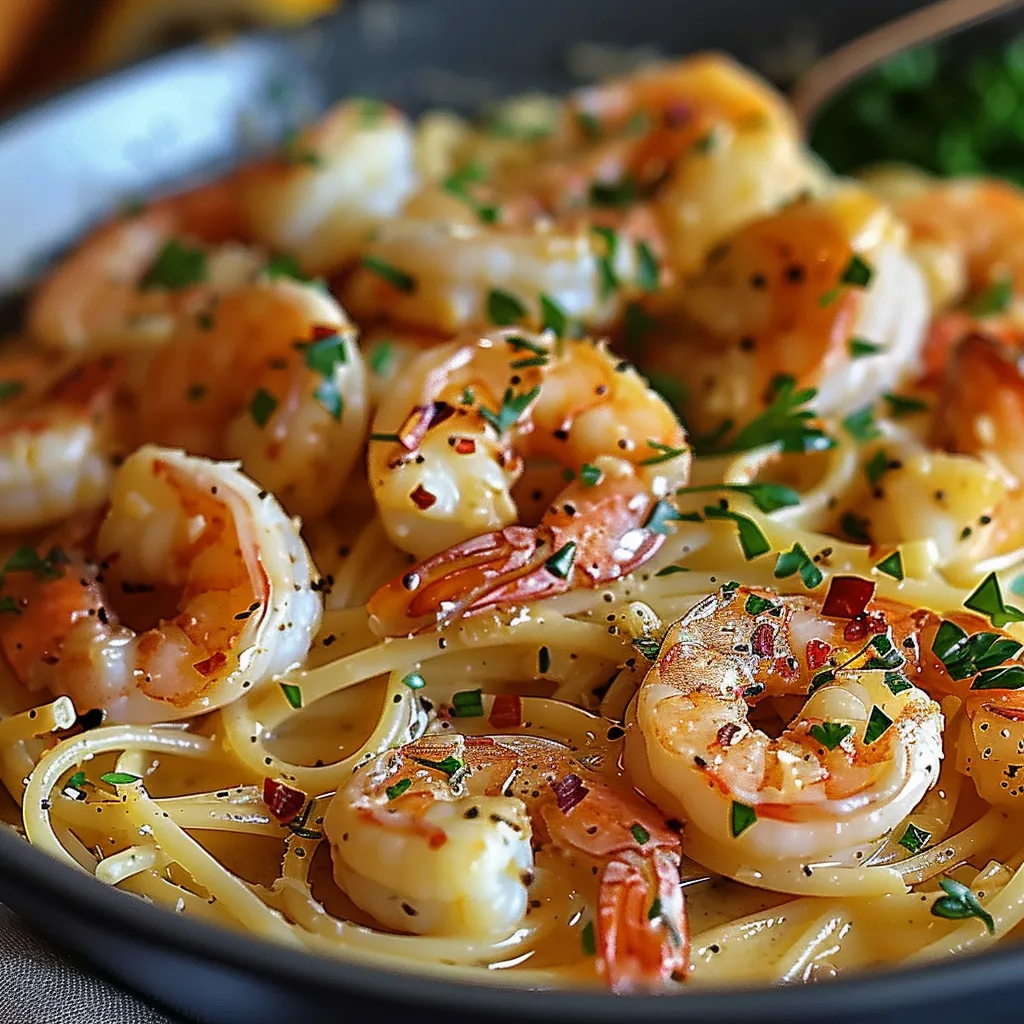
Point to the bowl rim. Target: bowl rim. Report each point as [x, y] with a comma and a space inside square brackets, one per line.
[79, 894]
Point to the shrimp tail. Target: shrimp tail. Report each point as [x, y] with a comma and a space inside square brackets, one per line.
[643, 935]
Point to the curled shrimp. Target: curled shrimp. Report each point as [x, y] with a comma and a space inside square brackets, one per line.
[128, 283]
[274, 377]
[179, 532]
[787, 295]
[438, 837]
[855, 761]
[337, 180]
[55, 444]
[451, 440]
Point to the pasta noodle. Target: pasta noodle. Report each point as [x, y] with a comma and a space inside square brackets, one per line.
[759, 681]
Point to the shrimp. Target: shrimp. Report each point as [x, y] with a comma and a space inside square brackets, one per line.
[179, 532]
[273, 378]
[850, 767]
[129, 282]
[785, 297]
[55, 446]
[450, 441]
[336, 182]
[438, 837]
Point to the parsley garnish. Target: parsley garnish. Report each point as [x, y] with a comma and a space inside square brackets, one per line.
[450, 765]
[176, 266]
[457, 184]
[741, 818]
[648, 270]
[767, 497]
[292, 694]
[606, 260]
[262, 407]
[671, 570]
[667, 453]
[752, 539]
[878, 724]
[613, 194]
[892, 566]
[512, 407]
[661, 515]
[561, 562]
[902, 405]
[396, 278]
[324, 357]
[590, 474]
[755, 605]
[647, 646]
[27, 559]
[119, 778]
[554, 316]
[994, 299]
[830, 734]
[284, 265]
[384, 437]
[914, 838]
[964, 655]
[877, 467]
[857, 272]
[797, 560]
[1009, 677]
[960, 903]
[76, 781]
[467, 704]
[395, 791]
[988, 600]
[897, 682]
[380, 357]
[640, 834]
[861, 347]
[504, 309]
[861, 424]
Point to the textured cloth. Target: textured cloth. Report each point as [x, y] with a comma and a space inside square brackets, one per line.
[40, 985]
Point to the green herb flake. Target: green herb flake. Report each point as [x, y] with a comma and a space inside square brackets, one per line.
[877, 467]
[292, 694]
[450, 765]
[753, 542]
[756, 605]
[384, 437]
[380, 357]
[76, 781]
[587, 939]
[666, 453]
[995, 299]
[914, 839]
[648, 272]
[119, 778]
[861, 347]
[655, 912]
[830, 734]
[897, 682]
[27, 559]
[512, 407]
[399, 279]
[892, 565]
[561, 562]
[606, 260]
[590, 124]
[661, 515]
[796, 560]
[590, 475]
[878, 724]
[285, 265]
[414, 681]
[767, 497]
[11, 389]
[262, 407]
[467, 704]
[647, 646]
[554, 316]
[395, 791]
[821, 679]
[504, 309]
[857, 273]
[741, 818]
[671, 570]
[988, 600]
[176, 266]
[613, 194]
[860, 425]
[960, 903]
[903, 405]
[640, 834]
[1009, 677]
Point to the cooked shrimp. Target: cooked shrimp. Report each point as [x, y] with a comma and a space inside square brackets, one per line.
[786, 296]
[180, 532]
[337, 180]
[127, 284]
[273, 378]
[55, 447]
[862, 752]
[451, 440]
[438, 837]
[722, 146]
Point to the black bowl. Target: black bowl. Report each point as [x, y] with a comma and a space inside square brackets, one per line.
[74, 159]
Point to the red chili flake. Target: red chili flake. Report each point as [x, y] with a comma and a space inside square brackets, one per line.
[465, 446]
[322, 331]
[569, 792]
[422, 498]
[763, 640]
[726, 734]
[215, 661]
[786, 669]
[847, 597]
[506, 711]
[420, 420]
[817, 654]
[283, 801]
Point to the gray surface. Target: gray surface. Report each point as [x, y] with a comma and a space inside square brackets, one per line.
[40, 986]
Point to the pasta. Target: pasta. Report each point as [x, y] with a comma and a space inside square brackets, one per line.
[647, 624]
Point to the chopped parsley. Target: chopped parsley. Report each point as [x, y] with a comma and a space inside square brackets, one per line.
[1009, 677]
[988, 600]
[76, 781]
[292, 694]
[741, 818]
[661, 515]
[796, 560]
[648, 270]
[606, 260]
[861, 347]
[512, 407]
[119, 778]
[640, 834]
[671, 389]
[767, 497]
[755, 605]
[666, 453]
[395, 791]
[176, 266]
[995, 299]
[324, 357]
[830, 734]
[457, 184]
[590, 124]
[878, 724]
[381, 357]
[892, 565]
[964, 655]
[27, 559]
[450, 765]
[467, 704]
[590, 475]
[504, 309]
[914, 839]
[877, 467]
[903, 405]
[399, 279]
[262, 407]
[960, 903]
[857, 273]
[614, 194]
[561, 562]
[554, 316]
[752, 539]
[860, 424]
[671, 570]
[647, 646]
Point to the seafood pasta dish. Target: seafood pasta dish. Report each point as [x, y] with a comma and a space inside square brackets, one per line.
[573, 549]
